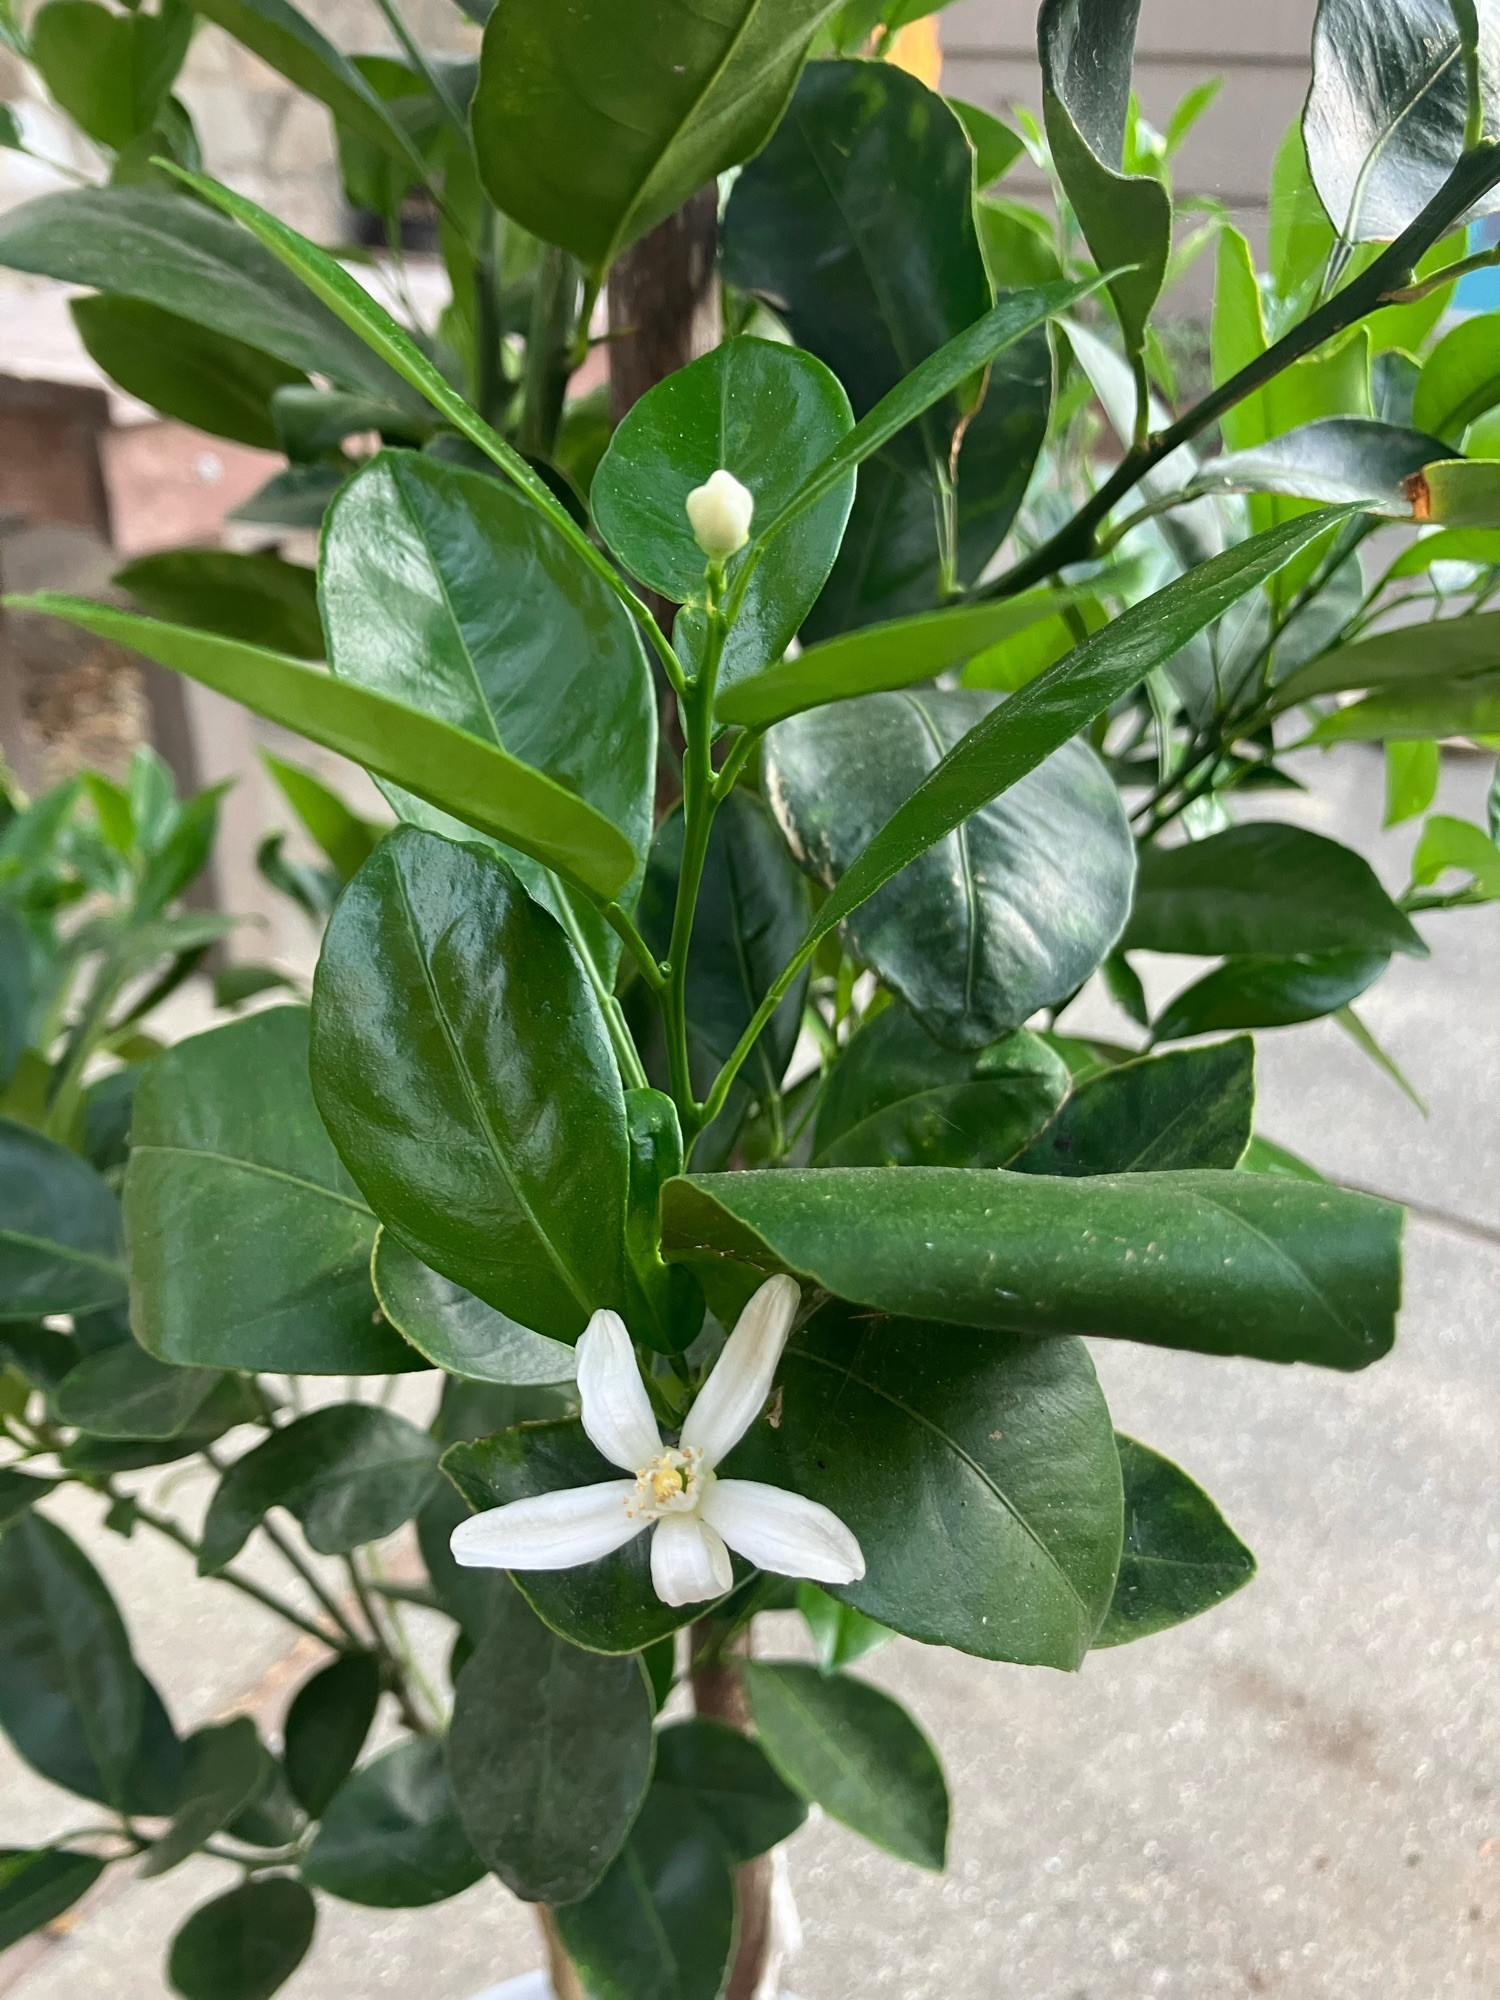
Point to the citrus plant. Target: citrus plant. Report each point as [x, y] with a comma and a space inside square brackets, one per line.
[682, 1095]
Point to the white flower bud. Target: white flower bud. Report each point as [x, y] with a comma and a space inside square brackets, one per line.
[719, 512]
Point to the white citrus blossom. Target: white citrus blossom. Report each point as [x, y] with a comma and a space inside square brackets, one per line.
[675, 1489]
[719, 513]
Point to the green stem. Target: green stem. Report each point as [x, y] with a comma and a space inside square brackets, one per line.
[1474, 175]
[744, 749]
[417, 57]
[699, 804]
[163, 1524]
[549, 351]
[390, 1651]
[620, 923]
[290, 1553]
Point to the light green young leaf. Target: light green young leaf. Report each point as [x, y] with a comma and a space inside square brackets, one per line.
[1456, 843]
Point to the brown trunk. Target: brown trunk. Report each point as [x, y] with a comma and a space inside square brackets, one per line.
[664, 301]
[719, 1691]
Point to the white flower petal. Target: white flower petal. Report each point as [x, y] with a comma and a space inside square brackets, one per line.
[616, 1409]
[740, 1381]
[689, 1562]
[550, 1530]
[783, 1531]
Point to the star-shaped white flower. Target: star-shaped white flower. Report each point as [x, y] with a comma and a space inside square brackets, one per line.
[697, 1516]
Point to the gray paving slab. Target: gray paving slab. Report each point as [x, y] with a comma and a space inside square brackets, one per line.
[1296, 1796]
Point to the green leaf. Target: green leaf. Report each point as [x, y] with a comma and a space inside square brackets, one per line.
[1456, 843]
[15, 991]
[897, 1098]
[392, 1838]
[856, 1753]
[461, 1063]
[110, 72]
[1444, 651]
[1384, 123]
[1011, 912]
[257, 598]
[1420, 712]
[71, 1696]
[608, 1606]
[1264, 1156]
[250, 1246]
[230, 1403]
[1181, 1556]
[202, 377]
[661, 1925]
[326, 1726]
[347, 840]
[857, 223]
[457, 1331]
[996, 146]
[1012, 1553]
[770, 415]
[38, 1884]
[172, 252]
[1268, 993]
[727, 1777]
[684, 95]
[60, 1246]
[473, 780]
[19, 1493]
[351, 1473]
[1464, 492]
[1331, 459]
[1015, 737]
[1086, 49]
[244, 1945]
[1460, 378]
[226, 1765]
[123, 1392]
[1192, 1108]
[840, 1634]
[549, 1753]
[1264, 888]
[1412, 775]
[882, 658]
[448, 592]
[1480, 546]
[293, 47]
[1217, 1263]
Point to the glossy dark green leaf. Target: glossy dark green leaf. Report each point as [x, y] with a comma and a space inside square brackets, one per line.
[38, 1884]
[257, 598]
[1440, 654]
[448, 591]
[1192, 1108]
[123, 1392]
[608, 1606]
[469, 1596]
[1018, 735]
[326, 1727]
[1220, 1263]
[60, 1247]
[392, 1838]
[1264, 992]
[684, 94]
[1264, 888]
[19, 1492]
[1011, 1554]
[857, 223]
[224, 1766]
[231, 1402]
[661, 1925]
[457, 1331]
[1087, 48]
[250, 1246]
[770, 415]
[1384, 123]
[71, 1696]
[110, 72]
[244, 1945]
[273, 1818]
[172, 252]
[840, 1634]
[856, 1753]
[881, 658]
[752, 910]
[1181, 1557]
[461, 774]
[1330, 459]
[726, 1776]
[351, 1473]
[200, 375]
[293, 46]
[549, 1754]
[462, 1064]
[897, 1098]
[1011, 912]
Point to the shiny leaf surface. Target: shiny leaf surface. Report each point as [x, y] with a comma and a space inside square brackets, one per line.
[1181, 1557]
[458, 1332]
[392, 1838]
[1192, 1108]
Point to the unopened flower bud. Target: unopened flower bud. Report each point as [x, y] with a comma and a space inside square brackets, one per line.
[719, 512]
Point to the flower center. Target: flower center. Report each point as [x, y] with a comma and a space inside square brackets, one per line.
[672, 1483]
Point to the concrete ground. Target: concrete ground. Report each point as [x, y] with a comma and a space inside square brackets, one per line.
[1295, 1796]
